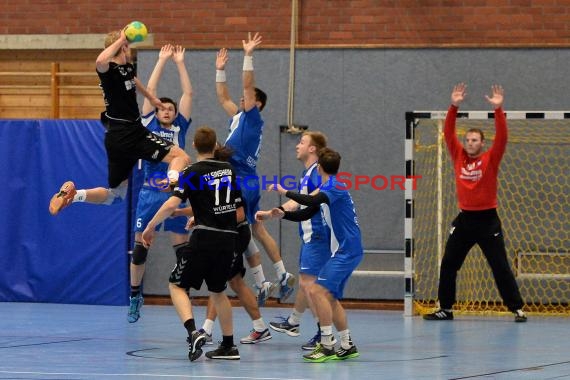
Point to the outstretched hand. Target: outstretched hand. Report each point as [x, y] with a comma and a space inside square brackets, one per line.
[277, 187]
[458, 94]
[123, 36]
[497, 96]
[178, 53]
[269, 214]
[251, 43]
[277, 213]
[222, 58]
[262, 215]
[165, 52]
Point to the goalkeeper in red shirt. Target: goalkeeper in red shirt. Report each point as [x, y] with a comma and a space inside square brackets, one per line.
[476, 174]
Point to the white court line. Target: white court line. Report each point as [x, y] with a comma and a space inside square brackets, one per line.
[372, 273]
[144, 374]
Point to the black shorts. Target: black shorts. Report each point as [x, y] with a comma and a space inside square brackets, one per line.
[207, 257]
[128, 142]
[242, 241]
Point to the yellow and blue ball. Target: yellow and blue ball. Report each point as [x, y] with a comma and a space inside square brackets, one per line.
[136, 31]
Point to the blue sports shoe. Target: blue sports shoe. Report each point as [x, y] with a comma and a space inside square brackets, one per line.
[286, 286]
[284, 326]
[264, 293]
[136, 303]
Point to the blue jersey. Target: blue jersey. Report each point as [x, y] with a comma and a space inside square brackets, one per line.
[244, 139]
[176, 134]
[310, 181]
[339, 214]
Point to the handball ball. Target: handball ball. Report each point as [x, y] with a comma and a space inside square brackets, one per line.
[136, 31]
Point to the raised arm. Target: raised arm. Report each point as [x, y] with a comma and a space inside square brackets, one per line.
[152, 86]
[154, 101]
[457, 96]
[501, 134]
[248, 78]
[221, 86]
[185, 103]
[110, 52]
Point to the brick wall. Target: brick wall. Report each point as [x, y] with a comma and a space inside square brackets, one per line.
[214, 23]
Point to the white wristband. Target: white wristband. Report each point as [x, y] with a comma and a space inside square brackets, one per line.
[247, 63]
[220, 76]
[173, 175]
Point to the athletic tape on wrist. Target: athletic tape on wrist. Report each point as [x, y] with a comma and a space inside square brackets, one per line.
[173, 175]
[247, 63]
[220, 75]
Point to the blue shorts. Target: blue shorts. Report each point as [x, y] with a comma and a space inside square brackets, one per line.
[336, 272]
[251, 196]
[314, 255]
[149, 202]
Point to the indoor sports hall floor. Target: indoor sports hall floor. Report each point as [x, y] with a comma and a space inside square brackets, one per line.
[52, 341]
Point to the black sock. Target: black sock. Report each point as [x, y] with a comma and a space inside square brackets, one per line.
[135, 290]
[190, 326]
[227, 340]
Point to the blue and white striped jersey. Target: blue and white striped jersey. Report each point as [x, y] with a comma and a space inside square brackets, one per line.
[309, 182]
[176, 134]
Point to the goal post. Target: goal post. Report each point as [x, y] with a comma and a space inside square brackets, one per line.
[534, 207]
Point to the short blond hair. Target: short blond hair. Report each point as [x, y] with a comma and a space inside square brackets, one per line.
[111, 37]
[318, 139]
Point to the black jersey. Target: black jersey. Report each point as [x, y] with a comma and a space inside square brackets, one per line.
[119, 93]
[210, 186]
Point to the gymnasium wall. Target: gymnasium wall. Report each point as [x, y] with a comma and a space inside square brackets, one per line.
[208, 23]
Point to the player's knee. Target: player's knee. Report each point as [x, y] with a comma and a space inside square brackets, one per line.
[116, 194]
[254, 260]
[179, 249]
[316, 290]
[305, 282]
[251, 250]
[176, 151]
[139, 254]
[258, 230]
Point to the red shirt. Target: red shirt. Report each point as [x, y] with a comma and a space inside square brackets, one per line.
[476, 178]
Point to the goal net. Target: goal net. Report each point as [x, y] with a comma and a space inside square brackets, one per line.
[534, 207]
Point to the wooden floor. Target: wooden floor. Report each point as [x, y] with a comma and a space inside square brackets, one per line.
[53, 341]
